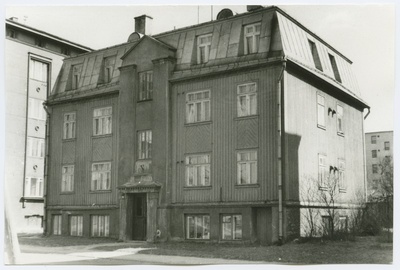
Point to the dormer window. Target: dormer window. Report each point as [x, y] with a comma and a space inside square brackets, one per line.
[252, 38]
[335, 68]
[107, 70]
[315, 55]
[203, 48]
[75, 76]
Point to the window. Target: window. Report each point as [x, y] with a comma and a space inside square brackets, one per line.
[322, 171]
[33, 187]
[198, 227]
[374, 168]
[343, 224]
[57, 222]
[145, 85]
[69, 125]
[108, 69]
[35, 147]
[101, 176]
[247, 99]
[198, 170]
[75, 225]
[321, 111]
[335, 68]
[232, 227]
[11, 33]
[144, 144]
[67, 178]
[374, 153]
[40, 43]
[38, 70]
[373, 139]
[315, 55]
[387, 145]
[100, 225]
[36, 110]
[327, 225]
[75, 76]
[198, 106]
[102, 121]
[203, 48]
[247, 167]
[342, 180]
[339, 115]
[251, 38]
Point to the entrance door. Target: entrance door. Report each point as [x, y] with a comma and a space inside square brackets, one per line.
[139, 216]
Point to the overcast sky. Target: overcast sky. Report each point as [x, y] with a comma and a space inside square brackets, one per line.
[363, 33]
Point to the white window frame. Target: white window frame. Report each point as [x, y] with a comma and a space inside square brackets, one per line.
[321, 111]
[69, 125]
[67, 178]
[38, 70]
[249, 96]
[38, 188]
[146, 85]
[233, 226]
[101, 176]
[315, 55]
[322, 171]
[76, 74]
[76, 225]
[254, 36]
[36, 109]
[342, 175]
[339, 117]
[57, 224]
[35, 147]
[201, 226]
[102, 121]
[99, 225]
[206, 45]
[373, 139]
[195, 101]
[144, 144]
[198, 170]
[247, 165]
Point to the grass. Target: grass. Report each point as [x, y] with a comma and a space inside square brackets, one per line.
[60, 241]
[364, 250]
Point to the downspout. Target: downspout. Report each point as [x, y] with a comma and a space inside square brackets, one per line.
[46, 168]
[364, 159]
[281, 137]
[369, 110]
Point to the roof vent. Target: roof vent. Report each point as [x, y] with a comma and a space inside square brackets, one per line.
[134, 37]
[225, 13]
[252, 8]
[14, 19]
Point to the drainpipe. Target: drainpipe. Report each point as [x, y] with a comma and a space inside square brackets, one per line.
[369, 110]
[281, 148]
[46, 168]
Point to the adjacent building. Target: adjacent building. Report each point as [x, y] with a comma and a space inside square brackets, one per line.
[33, 59]
[379, 155]
[205, 133]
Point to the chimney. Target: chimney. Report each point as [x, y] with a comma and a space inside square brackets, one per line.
[143, 25]
[14, 19]
[252, 8]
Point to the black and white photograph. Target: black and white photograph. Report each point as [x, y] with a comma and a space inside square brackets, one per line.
[213, 134]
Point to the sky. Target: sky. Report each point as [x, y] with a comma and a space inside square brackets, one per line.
[363, 33]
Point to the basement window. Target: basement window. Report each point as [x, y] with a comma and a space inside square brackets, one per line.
[76, 225]
[57, 222]
[197, 227]
[232, 227]
[315, 55]
[335, 68]
[100, 225]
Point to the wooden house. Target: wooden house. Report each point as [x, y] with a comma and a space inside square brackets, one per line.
[205, 133]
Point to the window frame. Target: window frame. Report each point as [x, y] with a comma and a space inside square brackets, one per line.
[319, 106]
[207, 48]
[315, 55]
[203, 108]
[232, 227]
[38, 189]
[255, 37]
[205, 235]
[35, 147]
[78, 224]
[335, 68]
[148, 145]
[248, 164]
[146, 86]
[67, 134]
[373, 139]
[101, 230]
[387, 145]
[68, 178]
[36, 109]
[375, 168]
[342, 175]
[195, 169]
[108, 118]
[339, 119]
[322, 171]
[97, 184]
[75, 76]
[374, 153]
[57, 224]
[250, 111]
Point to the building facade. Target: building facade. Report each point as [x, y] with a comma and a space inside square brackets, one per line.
[33, 59]
[205, 133]
[379, 150]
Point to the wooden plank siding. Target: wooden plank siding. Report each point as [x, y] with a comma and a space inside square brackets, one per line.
[224, 135]
[304, 140]
[82, 152]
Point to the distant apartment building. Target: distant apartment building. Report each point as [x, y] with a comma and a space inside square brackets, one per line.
[33, 59]
[378, 146]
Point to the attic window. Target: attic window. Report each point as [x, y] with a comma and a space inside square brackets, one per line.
[40, 43]
[203, 48]
[315, 55]
[335, 68]
[107, 70]
[251, 38]
[75, 76]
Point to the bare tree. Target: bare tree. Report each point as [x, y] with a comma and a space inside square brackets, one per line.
[308, 198]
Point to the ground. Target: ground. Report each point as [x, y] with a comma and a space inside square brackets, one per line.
[363, 250]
